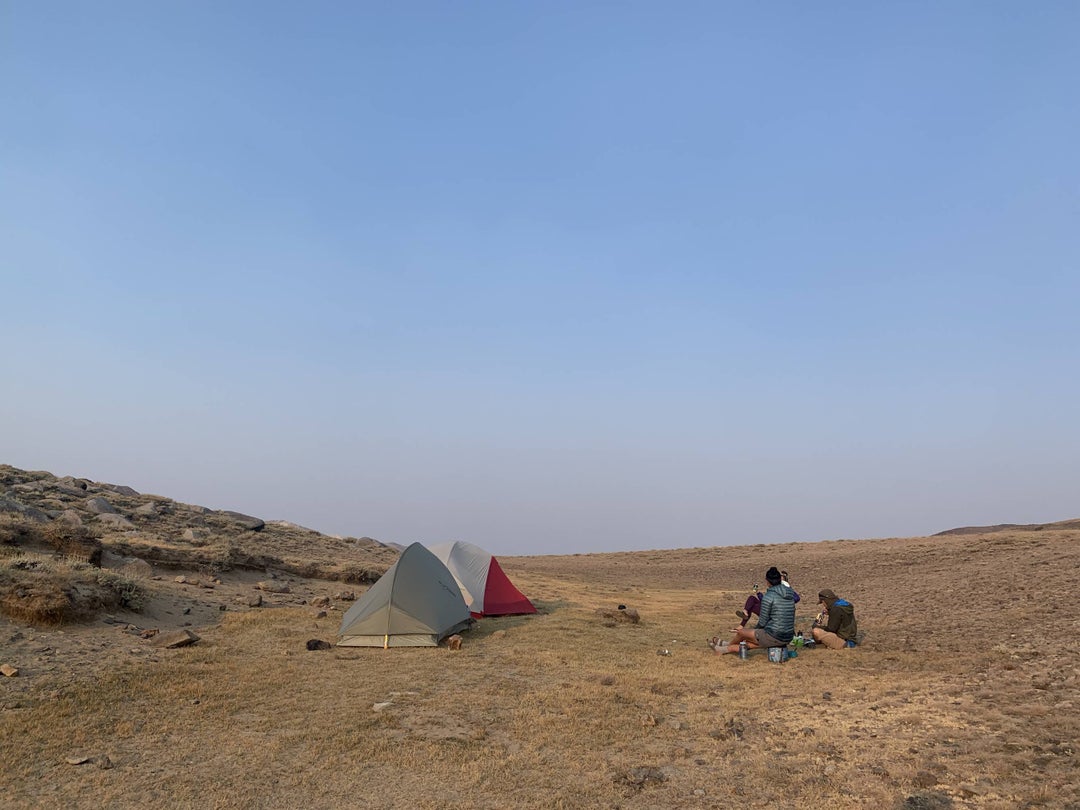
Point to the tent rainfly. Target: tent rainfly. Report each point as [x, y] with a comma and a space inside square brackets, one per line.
[416, 603]
[487, 590]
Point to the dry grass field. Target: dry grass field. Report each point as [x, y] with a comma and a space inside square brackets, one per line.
[963, 694]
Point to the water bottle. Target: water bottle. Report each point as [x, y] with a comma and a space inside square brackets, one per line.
[742, 650]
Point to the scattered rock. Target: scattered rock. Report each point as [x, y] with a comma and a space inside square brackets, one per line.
[146, 510]
[319, 614]
[273, 587]
[8, 671]
[255, 600]
[76, 760]
[643, 777]
[345, 596]
[318, 644]
[454, 642]
[384, 705]
[148, 633]
[321, 601]
[927, 801]
[100, 506]
[607, 680]
[179, 638]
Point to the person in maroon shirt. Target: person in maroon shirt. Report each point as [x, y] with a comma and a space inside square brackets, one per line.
[751, 608]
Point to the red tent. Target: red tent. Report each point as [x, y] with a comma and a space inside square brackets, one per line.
[486, 589]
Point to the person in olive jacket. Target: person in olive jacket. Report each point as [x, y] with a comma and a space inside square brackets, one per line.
[839, 629]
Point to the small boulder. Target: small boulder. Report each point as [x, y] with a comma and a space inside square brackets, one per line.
[146, 510]
[321, 601]
[318, 644]
[255, 600]
[8, 671]
[345, 596]
[179, 638]
[273, 587]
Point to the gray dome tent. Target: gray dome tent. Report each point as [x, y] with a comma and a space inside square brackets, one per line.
[416, 603]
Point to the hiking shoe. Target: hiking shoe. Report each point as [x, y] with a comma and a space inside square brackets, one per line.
[741, 614]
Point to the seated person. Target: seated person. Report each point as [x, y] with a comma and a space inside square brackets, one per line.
[837, 628]
[751, 608]
[776, 621]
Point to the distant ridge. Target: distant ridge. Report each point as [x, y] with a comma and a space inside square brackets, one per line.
[1013, 527]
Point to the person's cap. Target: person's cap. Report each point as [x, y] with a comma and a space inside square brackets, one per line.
[826, 596]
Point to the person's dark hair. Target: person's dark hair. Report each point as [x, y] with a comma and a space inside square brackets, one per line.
[772, 576]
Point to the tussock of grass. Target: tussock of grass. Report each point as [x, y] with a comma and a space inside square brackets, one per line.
[38, 589]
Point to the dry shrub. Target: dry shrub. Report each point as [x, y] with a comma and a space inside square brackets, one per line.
[76, 542]
[39, 590]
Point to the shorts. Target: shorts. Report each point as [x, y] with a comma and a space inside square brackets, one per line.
[763, 639]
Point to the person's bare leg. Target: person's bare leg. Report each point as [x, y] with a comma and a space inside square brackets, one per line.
[741, 634]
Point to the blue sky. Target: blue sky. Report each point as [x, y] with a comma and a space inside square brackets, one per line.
[548, 277]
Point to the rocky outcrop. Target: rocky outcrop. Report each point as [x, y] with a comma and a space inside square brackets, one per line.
[247, 521]
[9, 504]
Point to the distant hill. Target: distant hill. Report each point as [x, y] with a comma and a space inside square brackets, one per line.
[1013, 527]
[40, 508]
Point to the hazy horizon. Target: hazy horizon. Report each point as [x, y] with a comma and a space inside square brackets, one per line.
[548, 279]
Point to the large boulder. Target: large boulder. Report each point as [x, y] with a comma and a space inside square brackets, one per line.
[100, 506]
[247, 521]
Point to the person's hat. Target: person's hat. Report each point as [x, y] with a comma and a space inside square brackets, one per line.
[826, 596]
